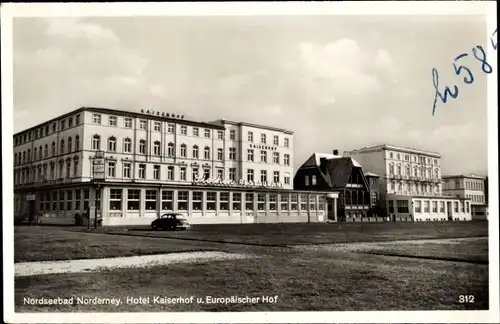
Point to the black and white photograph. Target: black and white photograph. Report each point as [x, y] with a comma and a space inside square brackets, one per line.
[250, 162]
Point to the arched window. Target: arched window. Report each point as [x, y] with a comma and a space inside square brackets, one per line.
[15, 158]
[29, 155]
[77, 143]
[127, 145]
[96, 142]
[415, 172]
[24, 157]
[70, 144]
[399, 169]
[391, 168]
[207, 153]
[112, 144]
[183, 150]
[142, 146]
[156, 148]
[195, 152]
[53, 153]
[436, 174]
[35, 155]
[408, 171]
[40, 153]
[170, 149]
[62, 147]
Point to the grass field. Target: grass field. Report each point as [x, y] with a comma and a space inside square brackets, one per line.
[315, 279]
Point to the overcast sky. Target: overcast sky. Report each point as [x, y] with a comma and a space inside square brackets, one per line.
[338, 82]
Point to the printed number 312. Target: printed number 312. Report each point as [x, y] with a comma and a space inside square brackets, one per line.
[466, 299]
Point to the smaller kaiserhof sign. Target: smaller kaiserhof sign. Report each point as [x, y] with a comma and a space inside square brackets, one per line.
[98, 166]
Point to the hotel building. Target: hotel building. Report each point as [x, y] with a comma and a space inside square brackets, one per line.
[472, 188]
[410, 185]
[130, 167]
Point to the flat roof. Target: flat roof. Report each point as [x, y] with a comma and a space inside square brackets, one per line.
[396, 148]
[472, 176]
[134, 114]
[277, 129]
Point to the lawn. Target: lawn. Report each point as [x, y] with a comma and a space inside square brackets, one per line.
[305, 280]
[315, 233]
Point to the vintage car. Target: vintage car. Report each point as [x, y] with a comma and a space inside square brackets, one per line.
[170, 221]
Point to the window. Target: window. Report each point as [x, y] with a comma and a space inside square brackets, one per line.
[273, 201]
[112, 144]
[143, 124]
[184, 130]
[195, 152]
[126, 169]
[232, 174]
[211, 196]
[303, 202]
[127, 122]
[263, 138]
[156, 148]
[170, 172]
[115, 199]
[391, 155]
[111, 169]
[75, 168]
[96, 119]
[232, 153]
[232, 135]
[207, 133]
[263, 176]
[468, 207]
[63, 124]
[170, 128]
[96, 142]
[250, 175]
[220, 174]
[195, 172]
[250, 137]
[183, 173]
[220, 135]
[287, 142]
[62, 147]
[156, 172]
[182, 200]
[70, 145]
[249, 200]
[284, 201]
[35, 153]
[312, 202]
[183, 150]
[69, 199]
[142, 171]
[133, 199]
[441, 206]
[151, 199]
[167, 200]
[263, 156]
[236, 201]
[276, 140]
[197, 200]
[313, 180]
[220, 154]
[294, 198]
[276, 157]
[142, 146]
[462, 207]
[418, 206]
[207, 153]
[224, 200]
[112, 120]
[196, 131]
[68, 168]
[426, 206]
[306, 180]
[261, 201]
[127, 145]
[157, 126]
[434, 207]
[250, 155]
[206, 173]
[374, 198]
[286, 159]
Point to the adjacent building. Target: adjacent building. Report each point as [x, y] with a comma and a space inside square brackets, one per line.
[130, 167]
[410, 186]
[341, 175]
[471, 187]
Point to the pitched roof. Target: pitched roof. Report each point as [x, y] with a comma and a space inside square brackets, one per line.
[315, 159]
[339, 170]
[370, 174]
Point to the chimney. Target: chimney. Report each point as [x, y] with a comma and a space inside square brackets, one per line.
[335, 152]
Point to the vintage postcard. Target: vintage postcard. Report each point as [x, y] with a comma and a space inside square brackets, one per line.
[292, 162]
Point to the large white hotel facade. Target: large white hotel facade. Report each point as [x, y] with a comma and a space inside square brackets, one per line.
[410, 184]
[138, 165]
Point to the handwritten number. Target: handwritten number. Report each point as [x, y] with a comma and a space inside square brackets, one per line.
[459, 69]
[447, 91]
[482, 59]
[493, 42]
